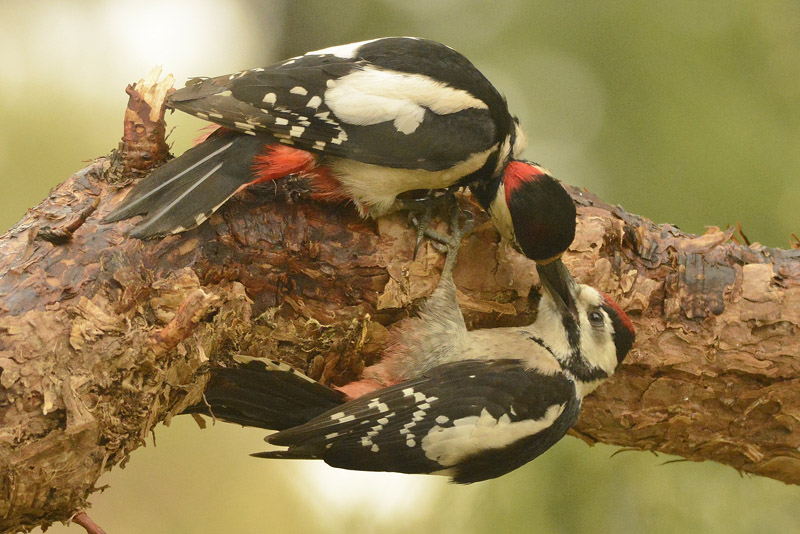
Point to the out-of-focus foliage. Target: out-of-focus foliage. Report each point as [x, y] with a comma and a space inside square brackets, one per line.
[685, 112]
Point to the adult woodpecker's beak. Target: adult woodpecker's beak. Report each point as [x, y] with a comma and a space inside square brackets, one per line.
[560, 285]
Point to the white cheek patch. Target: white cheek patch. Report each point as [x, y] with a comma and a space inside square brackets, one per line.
[501, 216]
[471, 435]
[597, 346]
[502, 156]
[372, 96]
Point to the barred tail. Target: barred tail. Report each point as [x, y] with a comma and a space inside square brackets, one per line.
[187, 190]
[265, 394]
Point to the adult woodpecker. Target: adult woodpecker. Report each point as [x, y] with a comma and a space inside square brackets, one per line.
[364, 122]
[472, 405]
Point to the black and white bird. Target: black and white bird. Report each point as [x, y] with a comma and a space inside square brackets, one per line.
[472, 405]
[364, 122]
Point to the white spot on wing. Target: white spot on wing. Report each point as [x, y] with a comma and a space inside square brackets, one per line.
[270, 98]
[376, 404]
[280, 121]
[314, 102]
[297, 90]
[297, 131]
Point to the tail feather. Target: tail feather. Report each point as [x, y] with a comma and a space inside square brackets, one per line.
[187, 190]
[265, 394]
[285, 455]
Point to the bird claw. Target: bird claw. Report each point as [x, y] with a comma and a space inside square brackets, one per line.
[421, 223]
[458, 229]
[421, 212]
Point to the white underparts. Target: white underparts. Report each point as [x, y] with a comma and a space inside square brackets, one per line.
[374, 188]
[473, 434]
[372, 96]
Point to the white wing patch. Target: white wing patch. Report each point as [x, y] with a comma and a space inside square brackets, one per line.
[470, 435]
[372, 96]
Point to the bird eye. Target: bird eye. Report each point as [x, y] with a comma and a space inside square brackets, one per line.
[596, 318]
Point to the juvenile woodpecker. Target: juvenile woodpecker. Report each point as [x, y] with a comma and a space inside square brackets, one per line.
[364, 122]
[472, 405]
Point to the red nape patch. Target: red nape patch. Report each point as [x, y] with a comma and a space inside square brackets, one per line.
[518, 173]
[623, 317]
[277, 161]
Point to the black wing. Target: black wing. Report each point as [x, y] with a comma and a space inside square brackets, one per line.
[472, 420]
[381, 80]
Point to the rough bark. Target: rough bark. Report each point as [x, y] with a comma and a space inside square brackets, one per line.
[103, 336]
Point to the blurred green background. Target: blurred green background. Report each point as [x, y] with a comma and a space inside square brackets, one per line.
[685, 112]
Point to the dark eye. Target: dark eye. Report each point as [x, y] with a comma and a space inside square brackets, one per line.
[596, 318]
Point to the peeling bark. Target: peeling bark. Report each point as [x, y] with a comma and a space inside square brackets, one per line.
[102, 336]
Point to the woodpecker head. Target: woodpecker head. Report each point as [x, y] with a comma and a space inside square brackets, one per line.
[585, 329]
[530, 209]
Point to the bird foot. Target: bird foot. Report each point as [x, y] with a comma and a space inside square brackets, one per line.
[422, 210]
[461, 223]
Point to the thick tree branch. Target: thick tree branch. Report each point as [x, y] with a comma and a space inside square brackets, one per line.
[103, 336]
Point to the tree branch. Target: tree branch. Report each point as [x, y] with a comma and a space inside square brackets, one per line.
[103, 336]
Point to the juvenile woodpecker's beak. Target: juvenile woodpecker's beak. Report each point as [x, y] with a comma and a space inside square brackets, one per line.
[559, 284]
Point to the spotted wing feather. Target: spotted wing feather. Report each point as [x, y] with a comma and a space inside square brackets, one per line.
[404, 428]
[287, 100]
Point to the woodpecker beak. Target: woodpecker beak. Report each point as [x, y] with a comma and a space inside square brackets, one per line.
[560, 285]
